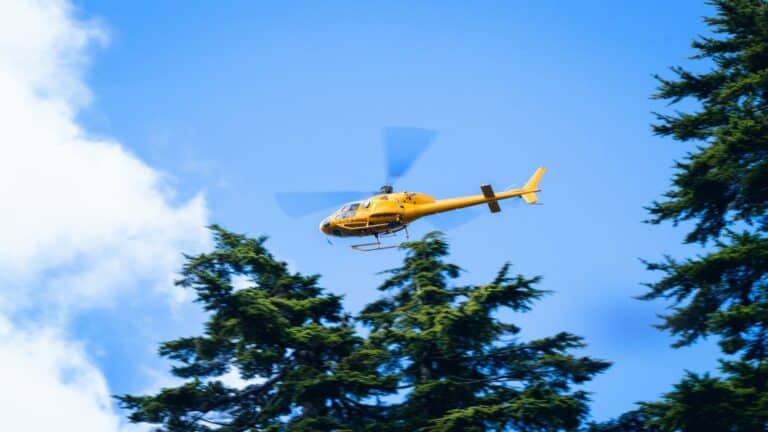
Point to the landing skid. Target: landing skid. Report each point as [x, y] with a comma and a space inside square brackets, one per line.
[370, 247]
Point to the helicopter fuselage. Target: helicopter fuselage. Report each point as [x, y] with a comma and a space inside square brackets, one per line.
[391, 212]
[379, 214]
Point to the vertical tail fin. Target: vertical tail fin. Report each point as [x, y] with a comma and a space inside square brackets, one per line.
[532, 185]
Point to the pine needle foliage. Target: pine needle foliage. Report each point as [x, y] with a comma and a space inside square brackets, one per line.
[305, 365]
[460, 366]
[721, 188]
[436, 357]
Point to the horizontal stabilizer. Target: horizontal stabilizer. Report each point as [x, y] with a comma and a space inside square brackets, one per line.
[530, 198]
[488, 193]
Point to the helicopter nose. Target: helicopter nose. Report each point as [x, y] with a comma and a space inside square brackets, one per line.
[325, 226]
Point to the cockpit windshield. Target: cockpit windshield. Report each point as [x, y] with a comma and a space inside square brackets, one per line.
[349, 207]
[347, 211]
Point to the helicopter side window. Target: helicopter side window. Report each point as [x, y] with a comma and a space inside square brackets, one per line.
[354, 206]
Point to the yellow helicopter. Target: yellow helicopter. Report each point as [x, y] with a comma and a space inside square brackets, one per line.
[389, 212]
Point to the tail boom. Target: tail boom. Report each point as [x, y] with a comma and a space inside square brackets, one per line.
[527, 193]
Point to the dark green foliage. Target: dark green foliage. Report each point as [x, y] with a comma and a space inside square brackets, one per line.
[460, 366]
[632, 421]
[722, 188]
[705, 403]
[440, 350]
[306, 366]
[726, 179]
[726, 294]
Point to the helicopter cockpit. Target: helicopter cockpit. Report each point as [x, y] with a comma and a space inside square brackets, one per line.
[347, 210]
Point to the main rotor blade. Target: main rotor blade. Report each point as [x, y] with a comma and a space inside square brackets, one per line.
[403, 145]
[297, 204]
[454, 219]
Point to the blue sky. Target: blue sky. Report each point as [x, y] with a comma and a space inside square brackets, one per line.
[248, 99]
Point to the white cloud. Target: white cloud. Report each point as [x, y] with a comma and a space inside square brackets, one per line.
[41, 370]
[80, 216]
[67, 199]
[82, 221]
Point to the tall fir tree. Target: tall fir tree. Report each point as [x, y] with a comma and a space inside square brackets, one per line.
[306, 368]
[722, 186]
[722, 189]
[460, 367]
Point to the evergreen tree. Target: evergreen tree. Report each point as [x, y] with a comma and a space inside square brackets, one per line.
[722, 189]
[460, 367]
[705, 403]
[306, 368]
[722, 186]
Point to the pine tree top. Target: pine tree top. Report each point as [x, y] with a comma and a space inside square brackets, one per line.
[460, 366]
